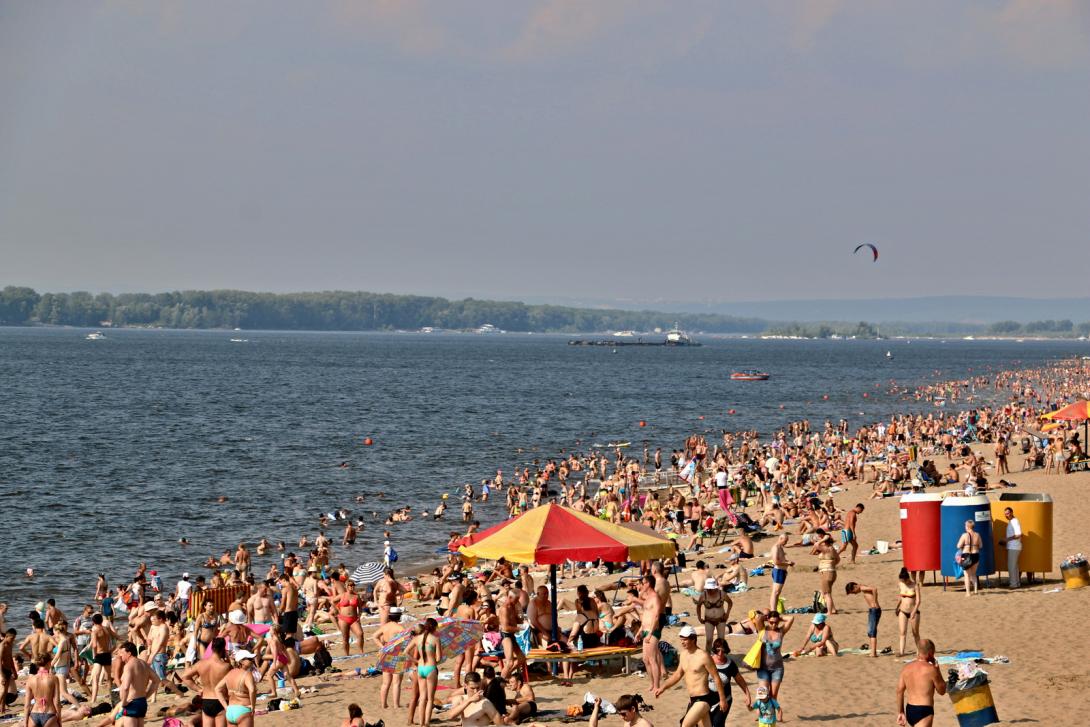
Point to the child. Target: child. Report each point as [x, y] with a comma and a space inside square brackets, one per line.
[768, 709]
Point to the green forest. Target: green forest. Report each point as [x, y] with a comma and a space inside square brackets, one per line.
[332, 311]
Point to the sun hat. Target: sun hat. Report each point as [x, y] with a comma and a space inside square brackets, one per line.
[711, 585]
[762, 691]
[243, 654]
[237, 617]
[819, 618]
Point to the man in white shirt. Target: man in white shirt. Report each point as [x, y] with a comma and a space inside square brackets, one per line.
[184, 587]
[1013, 544]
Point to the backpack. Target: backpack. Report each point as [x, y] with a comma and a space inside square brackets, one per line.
[393, 555]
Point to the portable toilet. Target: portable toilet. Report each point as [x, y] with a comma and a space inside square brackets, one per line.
[1034, 513]
[954, 512]
[921, 531]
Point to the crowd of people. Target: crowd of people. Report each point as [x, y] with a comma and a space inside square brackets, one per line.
[740, 488]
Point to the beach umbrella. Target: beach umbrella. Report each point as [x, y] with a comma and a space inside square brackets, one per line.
[1077, 412]
[552, 535]
[455, 636]
[368, 573]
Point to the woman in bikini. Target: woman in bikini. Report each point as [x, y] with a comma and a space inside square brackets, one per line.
[203, 677]
[713, 609]
[828, 559]
[908, 608]
[586, 620]
[969, 545]
[42, 703]
[348, 617]
[427, 671]
[238, 691]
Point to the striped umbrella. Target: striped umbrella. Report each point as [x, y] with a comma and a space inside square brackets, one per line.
[553, 534]
[455, 636]
[368, 573]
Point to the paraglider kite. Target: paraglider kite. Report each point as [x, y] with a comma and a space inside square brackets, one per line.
[873, 249]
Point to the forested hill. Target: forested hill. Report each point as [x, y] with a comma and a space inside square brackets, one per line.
[333, 311]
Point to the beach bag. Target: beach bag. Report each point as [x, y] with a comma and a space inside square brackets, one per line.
[752, 659]
[819, 603]
[393, 555]
[669, 655]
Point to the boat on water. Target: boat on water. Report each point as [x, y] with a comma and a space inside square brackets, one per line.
[749, 375]
[624, 334]
[488, 328]
[96, 336]
[889, 354]
[676, 337]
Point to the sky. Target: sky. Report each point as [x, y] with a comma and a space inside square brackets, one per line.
[554, 150]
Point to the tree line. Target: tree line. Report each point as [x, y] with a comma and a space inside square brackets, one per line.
[333, 311]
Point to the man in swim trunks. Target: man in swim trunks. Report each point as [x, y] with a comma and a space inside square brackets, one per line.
[874, 611]
[510, 616]
[8, 671]
[156, 652]
[920, 681]
[102, 637]
[652, 612]
[699, 672]
[260, 607]
[848, 535]
[780, 564]
[137, 682]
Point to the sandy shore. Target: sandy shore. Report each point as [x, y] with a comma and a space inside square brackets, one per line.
[1037, 629]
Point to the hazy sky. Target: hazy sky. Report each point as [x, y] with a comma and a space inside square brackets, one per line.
[562, 148]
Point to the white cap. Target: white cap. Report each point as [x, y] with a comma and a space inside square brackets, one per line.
[243, 654]
[711, 585]
[686, 632]
[185, 576]
[385, 542]
[237, 616]
[396, 610]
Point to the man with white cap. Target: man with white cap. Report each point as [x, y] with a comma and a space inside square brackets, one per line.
[713, 609]
[699, 671]
[183, 591]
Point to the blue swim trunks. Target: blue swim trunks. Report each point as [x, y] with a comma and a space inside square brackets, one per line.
[779, 576]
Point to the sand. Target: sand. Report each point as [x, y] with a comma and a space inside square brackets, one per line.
[1047, 679]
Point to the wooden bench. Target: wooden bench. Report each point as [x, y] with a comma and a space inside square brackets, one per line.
[599, 653]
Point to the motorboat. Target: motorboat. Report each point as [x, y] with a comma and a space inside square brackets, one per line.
[96, 336]
[488, 328]
[749, 375]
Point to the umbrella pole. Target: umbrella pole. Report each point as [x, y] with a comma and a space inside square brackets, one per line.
[555, 635]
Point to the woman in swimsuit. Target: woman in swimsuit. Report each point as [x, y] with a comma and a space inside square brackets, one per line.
[775, 628]
[819, 639]
[713, 609]
[207, 626]
[969, 545]
[348, 618]
[586, 620]
[908, 608]
[427, 671]
[238, 691]
[828, 559]
[203, 677]
[43, 702]
[276, 661]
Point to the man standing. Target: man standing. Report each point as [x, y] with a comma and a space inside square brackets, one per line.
[874, 611]
[510, 616]
[388, 591]
[780, 564]
[156, 653]
[848, 534]
[183, 591]
[260, 607]
[137, 682]
[652, 615]
[919, 682]
[699, 671]
[1013, 544]
[102, 636]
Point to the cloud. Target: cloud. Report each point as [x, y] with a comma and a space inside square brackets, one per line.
[1041, 33]
[566, 25]
[809, 18]
[410, 26]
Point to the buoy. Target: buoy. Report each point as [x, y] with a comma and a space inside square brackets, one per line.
[730, 411]
[825, 397]
[368, 441]
[781, 406]
[700, 417]
[643, 423]
[865, 395]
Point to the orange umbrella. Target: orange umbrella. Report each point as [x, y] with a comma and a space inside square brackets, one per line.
[1077, 412]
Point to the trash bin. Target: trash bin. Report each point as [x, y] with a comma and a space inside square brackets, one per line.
[954, 511]
[1034, 513]
[920, 531]
[974, 706]
[1076, 575]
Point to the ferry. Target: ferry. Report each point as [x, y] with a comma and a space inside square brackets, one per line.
[676, 337]
[749, 375]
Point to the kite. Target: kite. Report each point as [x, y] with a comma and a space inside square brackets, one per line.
[873, 249]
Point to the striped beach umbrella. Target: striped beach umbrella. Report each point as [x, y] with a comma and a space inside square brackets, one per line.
[455, 636]
[553, 534]
[368, 573]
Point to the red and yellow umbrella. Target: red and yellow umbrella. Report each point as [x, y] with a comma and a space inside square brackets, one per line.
[553, 534]
[1077, 412]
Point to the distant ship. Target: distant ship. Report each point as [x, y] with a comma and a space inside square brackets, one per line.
[96, 336]
[676, 337]
[749, 375]
[488, 328]
[625, 334]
